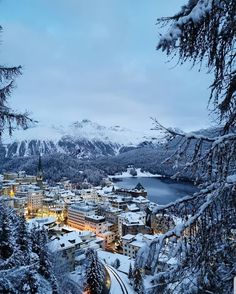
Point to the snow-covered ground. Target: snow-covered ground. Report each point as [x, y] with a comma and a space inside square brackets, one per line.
[140, 174]
[109, 258]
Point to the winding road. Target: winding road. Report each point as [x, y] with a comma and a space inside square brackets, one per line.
[118, 279]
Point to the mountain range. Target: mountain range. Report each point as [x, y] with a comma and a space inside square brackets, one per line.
[87, 150]
[82, 140]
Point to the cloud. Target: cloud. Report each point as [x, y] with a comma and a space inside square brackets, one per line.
[97, 59]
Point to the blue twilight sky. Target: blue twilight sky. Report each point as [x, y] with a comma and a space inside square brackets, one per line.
[96, 59]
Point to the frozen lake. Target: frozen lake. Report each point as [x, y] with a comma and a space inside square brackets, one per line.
[160, 190]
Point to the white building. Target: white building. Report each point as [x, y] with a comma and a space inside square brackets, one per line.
[65, 247]
[95, 223]
[109, 237]
[132, 220]
[132, 243]
[70, 248]
[34, 200]
[141, 202]
[77, 214]
[90, 195]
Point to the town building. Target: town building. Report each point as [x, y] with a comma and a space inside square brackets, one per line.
[78, 212]
[136, 192]
[132, 243]
[95, 223]
[121, 202]
[70, 247]
[131, 223]
[34, 201]
[90, 195]
[141, 202]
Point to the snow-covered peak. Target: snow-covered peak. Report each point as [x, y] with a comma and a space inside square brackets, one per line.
[82, 130]
[115, 134]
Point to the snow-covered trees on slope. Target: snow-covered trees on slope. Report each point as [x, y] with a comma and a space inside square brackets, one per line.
[24, 263]
[199, 254]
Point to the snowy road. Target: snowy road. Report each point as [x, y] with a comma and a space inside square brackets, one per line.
[117, 285]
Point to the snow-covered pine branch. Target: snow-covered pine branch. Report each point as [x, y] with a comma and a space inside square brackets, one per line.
[187, 247]
[213, 158]
[204, 31]
[199, 254]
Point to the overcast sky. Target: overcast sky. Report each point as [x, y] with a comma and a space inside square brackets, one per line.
[96, 59]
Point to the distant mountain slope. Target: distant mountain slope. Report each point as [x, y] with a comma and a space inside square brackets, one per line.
[84, 140]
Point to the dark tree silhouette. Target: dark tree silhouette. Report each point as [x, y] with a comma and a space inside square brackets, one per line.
[138, 281]
[130, 274]
[199, 255]
[10, 119]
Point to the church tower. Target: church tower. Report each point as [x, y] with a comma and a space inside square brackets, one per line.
[39, 176]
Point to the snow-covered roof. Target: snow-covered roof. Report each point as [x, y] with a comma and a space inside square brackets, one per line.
[82, 207]
[96, 217]
[140, 199]
[128, 237]
[64, 242]
[66, 193]
[113, 209]
[139, 240]
[47, 199]
[138, 243]
[108, 233]
[132, 207]
[149, 237]
[131, 218]
[80, 257]
[45, 221]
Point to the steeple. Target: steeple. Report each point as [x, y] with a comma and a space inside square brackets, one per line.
[139, 187]
[39, 176]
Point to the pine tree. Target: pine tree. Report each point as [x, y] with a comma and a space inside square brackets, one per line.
[29, 283]
[9, 250]
[9, 119]
[116, 263]
[6, 244]
[130, 274]
[138, 281]
[23, 241]
[95, 275]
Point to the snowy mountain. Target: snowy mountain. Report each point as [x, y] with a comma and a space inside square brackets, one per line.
[147, 155]
[85, 139]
